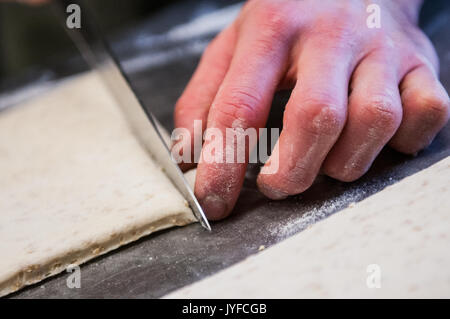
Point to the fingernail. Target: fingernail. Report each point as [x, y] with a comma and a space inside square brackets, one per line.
[215, 207]
[271, 192]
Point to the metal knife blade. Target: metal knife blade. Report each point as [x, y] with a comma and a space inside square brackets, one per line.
[98, 55]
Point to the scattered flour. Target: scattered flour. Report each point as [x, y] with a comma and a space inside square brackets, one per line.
[317, 212]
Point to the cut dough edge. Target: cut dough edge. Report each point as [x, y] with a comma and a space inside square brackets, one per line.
[67, 123]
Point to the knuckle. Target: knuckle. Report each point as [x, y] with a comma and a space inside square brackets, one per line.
[339, 35]
[274, 17]
[435, 108]
[264, 46]
[322, 118]
[276, 22]
[381, 40]
[381, 113]
[344, 31]
[238, 104]
[345, 12]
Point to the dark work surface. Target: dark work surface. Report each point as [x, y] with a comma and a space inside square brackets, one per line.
[163, 262]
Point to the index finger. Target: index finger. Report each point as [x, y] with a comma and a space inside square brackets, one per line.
[242, 103]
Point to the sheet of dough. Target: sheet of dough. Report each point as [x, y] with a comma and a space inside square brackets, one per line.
[404, 229]
[74, 184]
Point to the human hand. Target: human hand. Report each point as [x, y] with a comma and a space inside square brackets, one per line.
[355, 90]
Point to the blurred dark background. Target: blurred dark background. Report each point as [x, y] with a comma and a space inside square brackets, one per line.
[31, 35]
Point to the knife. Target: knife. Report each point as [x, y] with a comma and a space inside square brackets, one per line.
[97, 53]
